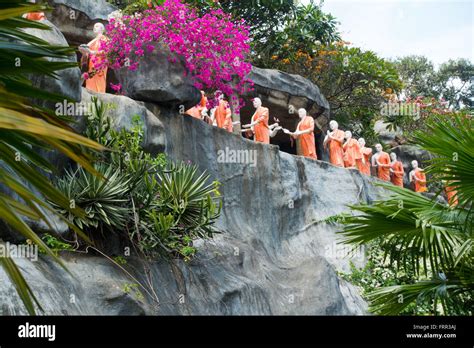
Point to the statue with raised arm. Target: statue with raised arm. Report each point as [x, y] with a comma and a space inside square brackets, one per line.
[334, 141]
[96, 76]
[304, 134]
[351, 150]
[259, 122]
[363, 163]
[417, 177]
[381, 161]
[396, 169]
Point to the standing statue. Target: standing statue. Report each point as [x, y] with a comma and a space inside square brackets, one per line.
[304, 134]
[396, 168]
[418, 177]
[351, 151]
[259, 122]
[363, 164]
[34, 16]
[334, 140]
[198, 111]
[96, 79]
[223, 113]
[381, 160]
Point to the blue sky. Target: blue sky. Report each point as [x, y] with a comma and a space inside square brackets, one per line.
[438, 29]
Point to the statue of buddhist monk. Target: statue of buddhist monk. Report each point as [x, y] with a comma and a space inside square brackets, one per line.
[34, 16]
[451, 195]
[334, 141]
[351, 151]
[381, 160]
[198, 111]
[304, 135]
[97, 75]
[223, 113]
[259, 122]
[396, 169]
[363, 163]
[417, 178]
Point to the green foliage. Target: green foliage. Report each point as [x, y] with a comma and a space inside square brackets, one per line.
[55, 244]
[160, 206]
[133, 289]
[377, 274]
[353, 81]
[120, 260]
[305, 28]
[23, 125]
[420, 78]
[419, 235]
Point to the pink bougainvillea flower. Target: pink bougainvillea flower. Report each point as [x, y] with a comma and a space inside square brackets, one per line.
[116, 87]
[214, 48]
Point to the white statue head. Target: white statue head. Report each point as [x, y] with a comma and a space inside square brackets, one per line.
[333, 125]
[414, 164]
[348, 134]
[393, 156]
[99, 28]
[302, 113]
[361, 142]
[378, 147]
[257, 102]
[219, 95]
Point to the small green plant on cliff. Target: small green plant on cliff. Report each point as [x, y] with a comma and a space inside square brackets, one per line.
[55, 244]
[159, 206]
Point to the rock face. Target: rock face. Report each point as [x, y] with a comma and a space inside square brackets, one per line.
[284, 94]
[68, 82]
[122, 109]
[275, 254]
[77, 18]
[168, 86]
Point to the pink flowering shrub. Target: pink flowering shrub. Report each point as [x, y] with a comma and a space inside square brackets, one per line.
[213, 46]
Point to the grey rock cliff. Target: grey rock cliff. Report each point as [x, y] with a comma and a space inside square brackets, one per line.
[274, 255]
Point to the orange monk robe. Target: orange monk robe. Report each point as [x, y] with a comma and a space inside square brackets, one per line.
[223, 116]
[35, 16]
[383, 173]
[197, 110]
[452, 195]
[398, 172]
[97, 82]
[260, 130]
[336, 152]
[351, 153]
[307, 145]
[420, 183]
[366, 153]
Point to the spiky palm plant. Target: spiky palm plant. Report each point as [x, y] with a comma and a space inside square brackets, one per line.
[436, 239]
[23, 125]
